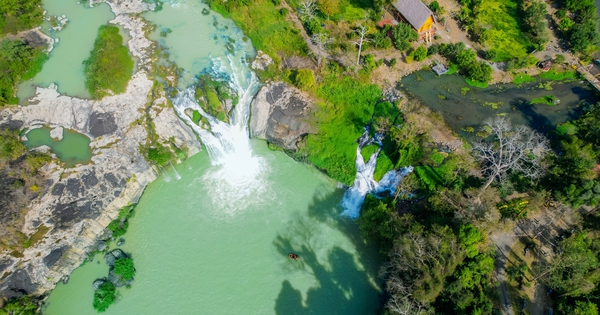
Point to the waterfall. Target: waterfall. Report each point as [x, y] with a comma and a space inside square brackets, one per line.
[237, 173]
[364, 182]
[174, 170]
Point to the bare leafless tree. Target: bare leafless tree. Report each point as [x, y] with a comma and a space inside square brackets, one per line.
[519, 150]
[320, 40]
[308, 8]
[362, 32]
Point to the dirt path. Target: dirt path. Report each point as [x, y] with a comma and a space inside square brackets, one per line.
[503, 242]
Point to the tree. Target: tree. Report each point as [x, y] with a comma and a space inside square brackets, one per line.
[308, 9]
[534, 19]
[403, 34]
[479, 71]
[104, 296]
[520, 150]
[362, 32]
[420, 53]
[320, 40]
[585, 308]
[574, 271]
[124, 268]
[329, 7]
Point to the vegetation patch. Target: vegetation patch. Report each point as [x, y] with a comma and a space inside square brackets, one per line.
[20, 15]
[262, 22]
[549, 100]
[20, 306]
[105, 296]
[347, 108]
[473, 83]
[558, 74]
[109, 67]
[521, 78]
[496, 24]
[124, 268]
[18, 62]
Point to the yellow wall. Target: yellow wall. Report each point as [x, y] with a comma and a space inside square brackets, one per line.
[427, 25]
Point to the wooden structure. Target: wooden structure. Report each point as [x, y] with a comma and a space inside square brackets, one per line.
[417, 14]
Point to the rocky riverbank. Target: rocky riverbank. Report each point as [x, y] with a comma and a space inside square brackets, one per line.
[78, 203]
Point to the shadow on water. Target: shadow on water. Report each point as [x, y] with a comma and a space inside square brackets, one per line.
[346, 283]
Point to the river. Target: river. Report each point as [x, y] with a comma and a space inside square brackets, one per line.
[213, 235]
[196, 253]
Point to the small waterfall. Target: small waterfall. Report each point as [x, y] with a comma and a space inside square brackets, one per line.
[237, 173]
[364, 182]
[175, 171]
[165, 174]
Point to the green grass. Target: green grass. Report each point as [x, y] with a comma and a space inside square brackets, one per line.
[481, 85]
[452, 69]
[348, 107]
[267, 28]
[521, 78]
[559, 75]
[109, 66]
[503, 31]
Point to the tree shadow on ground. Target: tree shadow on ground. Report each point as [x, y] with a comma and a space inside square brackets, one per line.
[344, 283]
[536, 121]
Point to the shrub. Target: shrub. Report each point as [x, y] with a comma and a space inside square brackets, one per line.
[124, 268]
[393, 62]
[420, 53]
[109, 66]
[304, 79]
[160, 154]
[432, 50]
[560, 59]
[284, 12]
[403, 34]
[369, 62]
[104, 297]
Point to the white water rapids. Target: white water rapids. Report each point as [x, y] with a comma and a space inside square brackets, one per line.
[364, 182]
[239, 174]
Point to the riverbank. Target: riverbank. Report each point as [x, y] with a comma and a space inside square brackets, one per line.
[79, 202]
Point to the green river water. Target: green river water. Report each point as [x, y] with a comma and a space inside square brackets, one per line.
[199, 254]
[214, 242]
[76, 39]
[73, 148]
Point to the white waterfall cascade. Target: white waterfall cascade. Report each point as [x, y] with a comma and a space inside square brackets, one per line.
[237, 173]
[364, 182]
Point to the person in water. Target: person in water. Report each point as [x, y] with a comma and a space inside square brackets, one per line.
[293, 256]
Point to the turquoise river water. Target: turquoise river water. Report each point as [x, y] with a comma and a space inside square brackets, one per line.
[196, 253]
[215, 240]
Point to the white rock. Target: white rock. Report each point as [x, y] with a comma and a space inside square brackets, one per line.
[57, 133]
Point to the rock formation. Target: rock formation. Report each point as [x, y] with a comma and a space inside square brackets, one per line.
[79, 202]
[279, 115]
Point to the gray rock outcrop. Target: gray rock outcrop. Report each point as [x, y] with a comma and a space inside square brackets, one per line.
[82, 200]
[279, 115]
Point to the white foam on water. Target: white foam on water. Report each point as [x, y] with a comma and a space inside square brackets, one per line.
[364, 182]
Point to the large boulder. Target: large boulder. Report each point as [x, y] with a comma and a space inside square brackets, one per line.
[280, 115]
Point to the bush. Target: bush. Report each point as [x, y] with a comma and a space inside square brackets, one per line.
[403, 34]
[560, 59]
[369, 62]
[160, 154]
[104, 297]
[420, 53]
[432, 50]
[20, 306]
[124, 268]
[109, 66]
[304, 79]
[393, 62]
